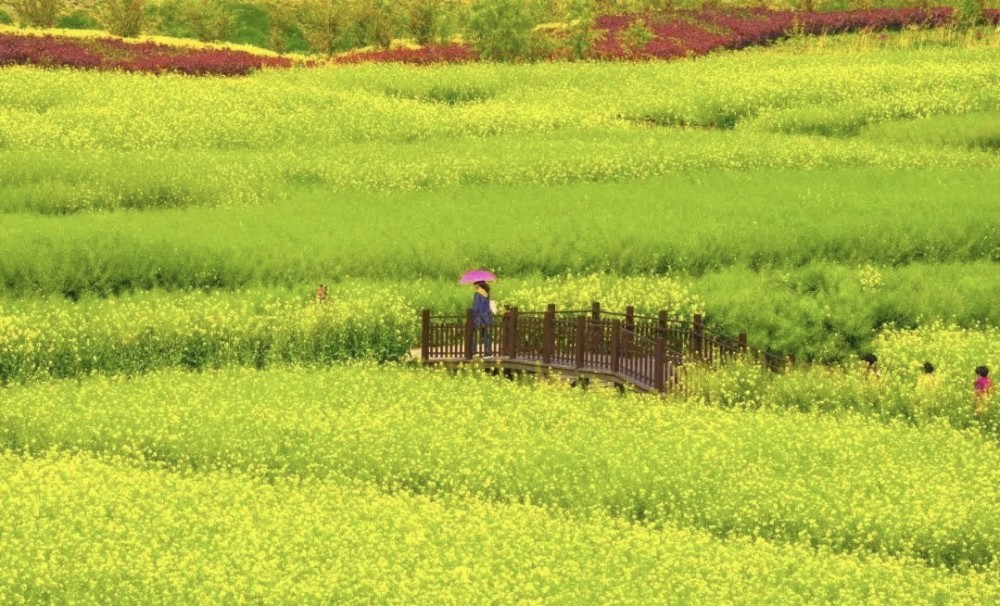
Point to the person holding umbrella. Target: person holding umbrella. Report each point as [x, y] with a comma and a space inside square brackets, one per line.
[482, 306]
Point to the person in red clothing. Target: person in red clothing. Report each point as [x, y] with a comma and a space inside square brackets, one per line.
[983, 386]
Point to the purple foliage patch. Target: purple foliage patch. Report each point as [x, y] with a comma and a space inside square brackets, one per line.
[116, 54]
[696, 32]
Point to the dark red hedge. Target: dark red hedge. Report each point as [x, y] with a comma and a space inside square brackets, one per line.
[116, 54]
[696, 32]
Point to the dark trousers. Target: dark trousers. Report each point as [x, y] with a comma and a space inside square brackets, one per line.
[485, 338]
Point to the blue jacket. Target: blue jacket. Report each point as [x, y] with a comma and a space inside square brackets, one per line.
[482, 315]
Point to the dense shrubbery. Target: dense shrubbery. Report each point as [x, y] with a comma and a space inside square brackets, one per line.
[494, 30]
[686, 33]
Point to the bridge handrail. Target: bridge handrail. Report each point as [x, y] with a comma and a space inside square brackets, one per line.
[645, 350]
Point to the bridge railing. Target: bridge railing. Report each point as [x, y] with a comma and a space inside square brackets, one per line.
[651, 352]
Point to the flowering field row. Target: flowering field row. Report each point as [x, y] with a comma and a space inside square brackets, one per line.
[781, 223]
[90, 530]
[843, 482]
[898, 390]
[198, 331]
[63, 182]
[116, 54]
[392, 128]
[365, 319]
[262, 329]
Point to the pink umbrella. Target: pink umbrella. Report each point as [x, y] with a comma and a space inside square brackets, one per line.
[477, 275]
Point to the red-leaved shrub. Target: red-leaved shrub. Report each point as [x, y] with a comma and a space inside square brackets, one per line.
[116, 54]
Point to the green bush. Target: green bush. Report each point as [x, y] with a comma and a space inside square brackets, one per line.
[429, 21]
[205, 20]
[251, 24]
[124, 17]
[75, 20]
[5, 18]
[326, 25]
[376, 23]
[636, 36]
[503, 30]
[285, 29]
[39, 13]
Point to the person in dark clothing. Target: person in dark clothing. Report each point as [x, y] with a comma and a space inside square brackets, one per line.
[871, 361]
[482, 316]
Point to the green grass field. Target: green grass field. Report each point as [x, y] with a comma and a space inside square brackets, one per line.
[181, 423]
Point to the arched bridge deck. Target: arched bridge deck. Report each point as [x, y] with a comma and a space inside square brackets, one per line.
[650, 354]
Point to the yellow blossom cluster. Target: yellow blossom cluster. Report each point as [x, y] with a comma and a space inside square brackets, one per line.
[198, 330]
[846, 482]
[97, 530]
[392, 128]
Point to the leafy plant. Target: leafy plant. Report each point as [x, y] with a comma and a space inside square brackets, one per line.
[636, 36]
[123, 17]
[40, 13]
[78, 20]
[503, 30]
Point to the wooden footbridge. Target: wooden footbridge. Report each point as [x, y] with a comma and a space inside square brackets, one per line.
[649, 354]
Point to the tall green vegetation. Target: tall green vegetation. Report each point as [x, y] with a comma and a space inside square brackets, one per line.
[124, 17]
[503, 30]
[692, 223]
[206, 20]
[40, 13]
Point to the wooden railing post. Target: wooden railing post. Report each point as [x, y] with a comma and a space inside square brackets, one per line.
[549, 333]
[505, 334]
[595, 332]
[741, 342]
[425, 334]
[616, 336]
[697, 336]
[659, 361]
[470, 335]
[581, 341]
[661, 324]
[629, 331]
[512, 351]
